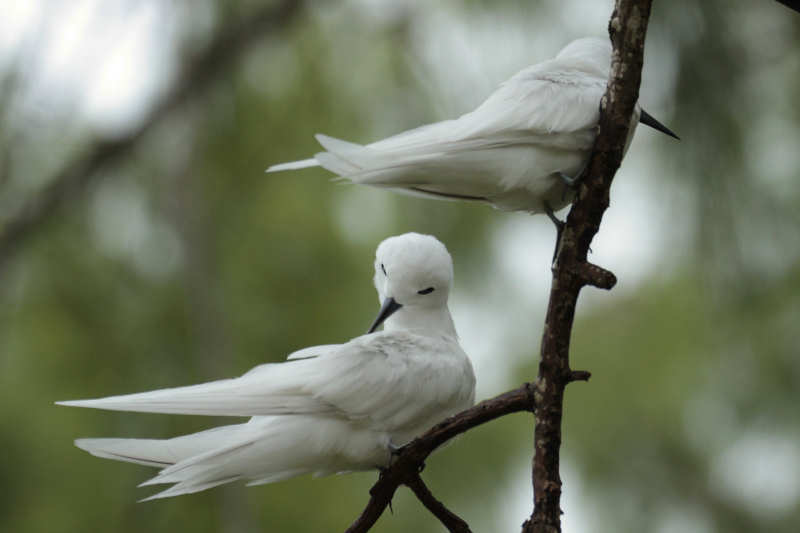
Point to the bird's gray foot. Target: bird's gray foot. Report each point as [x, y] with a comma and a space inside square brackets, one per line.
[569, 181]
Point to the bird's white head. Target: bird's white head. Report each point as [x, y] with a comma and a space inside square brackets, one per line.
[413, 275]
[593, 54]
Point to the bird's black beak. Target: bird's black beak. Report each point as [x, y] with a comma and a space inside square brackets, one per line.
[387, 309]
[648, 120]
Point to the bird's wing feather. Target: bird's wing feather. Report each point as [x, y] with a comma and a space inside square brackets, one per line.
[312, 351]
[293, 165]
[536, 126]
[394, 379]
[275, 388]
[536, 106]
[548, 104]
[551, 105]
[378, 376]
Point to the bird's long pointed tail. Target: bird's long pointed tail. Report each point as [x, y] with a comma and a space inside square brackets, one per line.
[293, 165]
[159, 452]
[264, 450]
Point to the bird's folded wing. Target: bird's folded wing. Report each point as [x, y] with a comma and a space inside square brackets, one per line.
[387, 377]
[550, 107]
[394, 379]
[265, 390]
[542, 106]
[531, 108]
[464, 174]
[524, 130]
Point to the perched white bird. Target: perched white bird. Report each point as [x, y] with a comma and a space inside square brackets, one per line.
[519, 150]
[330, 409]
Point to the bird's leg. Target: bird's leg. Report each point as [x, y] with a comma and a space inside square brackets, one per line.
[559, 229]
[559, 224]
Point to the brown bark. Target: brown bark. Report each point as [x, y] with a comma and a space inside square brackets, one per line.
[571, 271]
[452, 522]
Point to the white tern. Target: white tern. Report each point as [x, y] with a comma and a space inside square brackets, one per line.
[520, 150]
[329, 409]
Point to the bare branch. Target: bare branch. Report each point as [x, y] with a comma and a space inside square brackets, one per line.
[572, 272]
[579, 375]
[220, 55]
[596, 276]
[453, 523]
[791, 4]
[411, 458]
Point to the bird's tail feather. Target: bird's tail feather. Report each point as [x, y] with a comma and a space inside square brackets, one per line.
[192, 462]
[189, 488]
[294, 165]
[158, 452]
[264, 450]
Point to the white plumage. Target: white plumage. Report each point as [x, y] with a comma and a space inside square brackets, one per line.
[331, 408]
[517, 151]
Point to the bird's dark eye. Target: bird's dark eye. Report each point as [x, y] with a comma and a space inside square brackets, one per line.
[426, 291]
[384, 270]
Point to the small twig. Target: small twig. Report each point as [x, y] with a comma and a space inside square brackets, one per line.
[791, 4]
[580, 375]
[451, 521]
[412, 456]
[596, 276]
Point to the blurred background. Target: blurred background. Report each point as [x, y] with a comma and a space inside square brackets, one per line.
[142, 246]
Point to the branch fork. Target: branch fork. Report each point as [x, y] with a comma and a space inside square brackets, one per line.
[410, 459]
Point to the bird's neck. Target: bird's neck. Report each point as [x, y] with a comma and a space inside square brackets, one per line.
[433, 322]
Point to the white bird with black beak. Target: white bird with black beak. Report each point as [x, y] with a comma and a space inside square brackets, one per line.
[520, 150]
[332, 408]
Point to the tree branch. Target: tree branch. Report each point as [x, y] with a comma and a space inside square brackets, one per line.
[453, 523]
[219, 56]
[791, 4]
[571, 271]
[410, 459]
